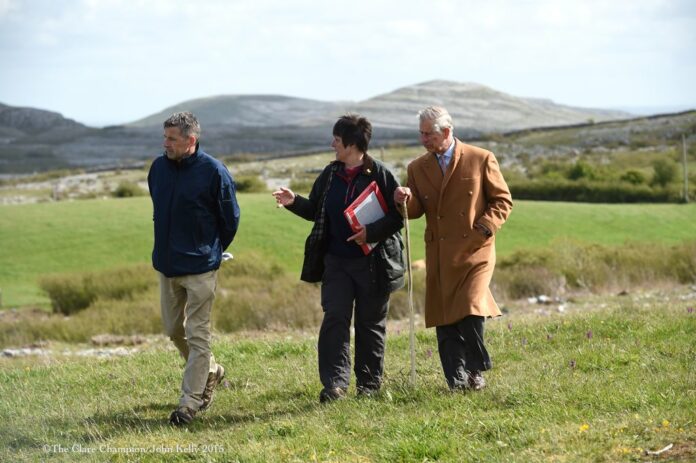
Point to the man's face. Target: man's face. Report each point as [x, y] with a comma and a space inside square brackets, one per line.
[176, 145]
[434, 142]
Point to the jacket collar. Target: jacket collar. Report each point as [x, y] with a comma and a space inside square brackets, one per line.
[368, 166]
[187, 161]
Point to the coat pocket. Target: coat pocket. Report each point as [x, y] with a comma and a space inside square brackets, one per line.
[390, 266]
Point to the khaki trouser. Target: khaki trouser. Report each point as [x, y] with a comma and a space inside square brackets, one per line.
[186, 302]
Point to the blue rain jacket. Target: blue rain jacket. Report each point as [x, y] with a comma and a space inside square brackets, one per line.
[195, 213]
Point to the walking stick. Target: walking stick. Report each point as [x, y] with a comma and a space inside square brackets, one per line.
[411, 314]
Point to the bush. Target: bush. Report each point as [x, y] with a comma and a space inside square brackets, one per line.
[591, 192]
[301, 185]
[665, 172]
[581, 170]
[250, 184]
[254, 293]
[72, 293]
[128, 190]
[573, 265]
[633, 177]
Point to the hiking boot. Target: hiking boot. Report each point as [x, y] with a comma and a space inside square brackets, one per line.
[214, 378]
[331, 394]
[476, 380]
[182, 416]
[364, 391]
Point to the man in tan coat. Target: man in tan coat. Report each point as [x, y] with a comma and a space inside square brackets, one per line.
[465, 200]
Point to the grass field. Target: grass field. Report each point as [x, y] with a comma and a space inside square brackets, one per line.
[588, 385]
[46, 238]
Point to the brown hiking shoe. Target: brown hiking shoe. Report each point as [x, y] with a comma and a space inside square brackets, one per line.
[182, 416]
[331, 394]
[214, 378]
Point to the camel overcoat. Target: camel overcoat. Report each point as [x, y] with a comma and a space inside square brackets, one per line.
[459, 260]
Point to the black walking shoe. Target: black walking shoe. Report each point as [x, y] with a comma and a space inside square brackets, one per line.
[182, 416]
[214, 379]
[331, 394]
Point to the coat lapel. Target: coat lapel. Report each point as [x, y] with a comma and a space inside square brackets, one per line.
[452, 165]
[432, 171]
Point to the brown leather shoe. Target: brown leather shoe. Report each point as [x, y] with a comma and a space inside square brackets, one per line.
[331, 394]
[476, 380]
[214, 379]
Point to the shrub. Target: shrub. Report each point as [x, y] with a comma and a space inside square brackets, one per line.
[665, 171]
[591, 191]
[581, 170]
[574, 265]
[301, 185]
[633, 177]
[254, 293]
[250, 184]
[127, 190]
[72, 293]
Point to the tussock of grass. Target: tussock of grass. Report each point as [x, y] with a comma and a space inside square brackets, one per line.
[569, 265]
[73, 292]
[555, 394]
[256, 293]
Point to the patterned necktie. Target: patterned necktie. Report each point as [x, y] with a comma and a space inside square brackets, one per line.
[443, 163]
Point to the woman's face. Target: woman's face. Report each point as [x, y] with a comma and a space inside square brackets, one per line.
[342, 152]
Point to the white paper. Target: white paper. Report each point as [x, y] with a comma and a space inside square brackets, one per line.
[369, 210]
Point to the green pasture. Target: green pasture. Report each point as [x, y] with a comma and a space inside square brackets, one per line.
[585, 386]
[78, 236]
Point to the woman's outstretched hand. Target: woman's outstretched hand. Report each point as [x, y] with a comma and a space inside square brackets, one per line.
[284, 196]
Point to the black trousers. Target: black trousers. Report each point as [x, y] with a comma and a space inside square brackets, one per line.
[347, 283]
[462, 349]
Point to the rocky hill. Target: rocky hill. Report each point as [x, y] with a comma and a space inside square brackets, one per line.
[248, 111]
[475, 107]
[34, 140]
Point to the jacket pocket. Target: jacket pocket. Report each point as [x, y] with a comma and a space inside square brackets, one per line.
[390, 264]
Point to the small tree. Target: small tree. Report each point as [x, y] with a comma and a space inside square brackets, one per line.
[633, 177]
[665, 171]
[581, 170]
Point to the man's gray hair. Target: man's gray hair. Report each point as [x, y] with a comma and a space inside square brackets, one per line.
[439, 116]
[186, 122]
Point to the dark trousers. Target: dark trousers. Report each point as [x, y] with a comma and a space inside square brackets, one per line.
[348, 282]
[462, 350]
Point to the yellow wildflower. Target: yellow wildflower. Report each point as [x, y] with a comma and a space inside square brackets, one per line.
[665, 424]
[584, 427]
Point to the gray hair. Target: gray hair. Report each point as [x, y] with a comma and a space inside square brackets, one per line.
[186, 122]
[439, 116]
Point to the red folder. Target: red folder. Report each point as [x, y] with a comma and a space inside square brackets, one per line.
[369, 207]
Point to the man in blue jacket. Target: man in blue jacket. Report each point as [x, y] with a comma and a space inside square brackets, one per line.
[196, 217]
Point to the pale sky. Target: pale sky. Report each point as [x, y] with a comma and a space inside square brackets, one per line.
[114, 61]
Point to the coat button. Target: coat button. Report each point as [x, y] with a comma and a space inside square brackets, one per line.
[425, 197]
[471, 193]
[439, 217]
[442, 238]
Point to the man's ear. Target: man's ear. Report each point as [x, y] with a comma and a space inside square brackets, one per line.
[192, 140]
[446, 132]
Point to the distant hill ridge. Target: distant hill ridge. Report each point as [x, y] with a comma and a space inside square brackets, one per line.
[31, 120]
[473, 106]
[276, 125]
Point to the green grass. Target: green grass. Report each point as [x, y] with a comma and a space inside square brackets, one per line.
[78, 236]
[592, 385]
